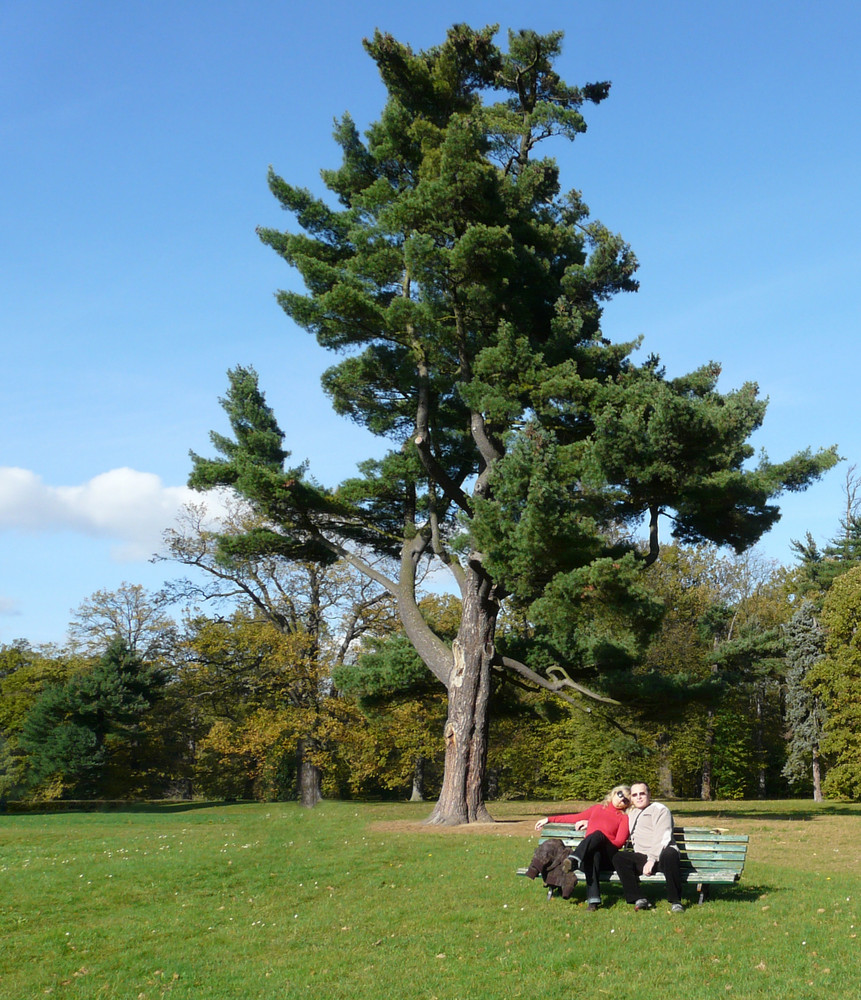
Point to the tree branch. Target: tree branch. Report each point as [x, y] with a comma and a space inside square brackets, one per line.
[654, 542]
[556, 686]
[436, 655]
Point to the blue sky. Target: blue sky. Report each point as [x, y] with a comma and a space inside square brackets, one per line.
[136, 138]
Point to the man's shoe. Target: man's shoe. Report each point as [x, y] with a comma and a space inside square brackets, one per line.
[642, 904]
[677, 908]
[591, 907]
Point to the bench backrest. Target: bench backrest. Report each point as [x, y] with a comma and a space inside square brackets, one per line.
[702, 849]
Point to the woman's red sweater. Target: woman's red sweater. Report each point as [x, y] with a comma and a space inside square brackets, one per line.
[612, 822]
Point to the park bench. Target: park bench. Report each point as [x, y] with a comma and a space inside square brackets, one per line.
[709, 857]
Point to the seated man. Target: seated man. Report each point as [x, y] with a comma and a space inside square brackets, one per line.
[651, 834]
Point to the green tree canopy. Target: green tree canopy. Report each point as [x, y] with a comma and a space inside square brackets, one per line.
[836, 681]
[82, 736]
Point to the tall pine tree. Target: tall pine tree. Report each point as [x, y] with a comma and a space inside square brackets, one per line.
[466, 291]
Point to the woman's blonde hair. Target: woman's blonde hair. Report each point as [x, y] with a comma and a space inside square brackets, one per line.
[608, 798]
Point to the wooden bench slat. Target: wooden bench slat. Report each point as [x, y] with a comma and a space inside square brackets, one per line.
[713, 864]
[713, 845]
[727, 858]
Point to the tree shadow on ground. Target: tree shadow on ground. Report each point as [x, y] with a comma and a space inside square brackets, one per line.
[748, 893]
[687, 812]
[113, 806]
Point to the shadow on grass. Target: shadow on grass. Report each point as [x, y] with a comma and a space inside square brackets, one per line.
[748, 893]
[613, 899]
[815, 811]
[113, 806]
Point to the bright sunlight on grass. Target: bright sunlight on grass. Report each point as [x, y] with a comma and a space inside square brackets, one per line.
[361, 901]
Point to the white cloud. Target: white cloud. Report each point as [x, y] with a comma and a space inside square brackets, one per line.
[129, 507]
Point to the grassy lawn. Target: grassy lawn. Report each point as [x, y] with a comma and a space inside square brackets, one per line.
[361, 901]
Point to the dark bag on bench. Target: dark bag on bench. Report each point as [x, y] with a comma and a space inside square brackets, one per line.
[547, 861]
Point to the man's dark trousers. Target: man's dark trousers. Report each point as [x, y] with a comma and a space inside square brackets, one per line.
[630, 865]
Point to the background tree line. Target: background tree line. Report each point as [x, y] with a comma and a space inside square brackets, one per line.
[287, 680]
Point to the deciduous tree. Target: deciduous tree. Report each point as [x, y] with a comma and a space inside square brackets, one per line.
[25, 673]
[403, 702]
[264, 709]
[321, 610]
[128, 613]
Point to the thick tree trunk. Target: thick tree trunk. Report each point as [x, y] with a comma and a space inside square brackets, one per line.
[706, 789]
[665, 768]
[817, 777]
[309, 779]
[418, 794]
[759, 744]
[462, 796]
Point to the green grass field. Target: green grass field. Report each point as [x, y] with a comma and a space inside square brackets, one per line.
[361, 901]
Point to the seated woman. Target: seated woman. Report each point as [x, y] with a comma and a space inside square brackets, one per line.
[606, 827]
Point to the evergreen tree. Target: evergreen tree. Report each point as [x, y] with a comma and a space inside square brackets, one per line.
[835, 679]
[87, 737]
[805, 714]
[819, 567]
[749, 664]
[466, 291]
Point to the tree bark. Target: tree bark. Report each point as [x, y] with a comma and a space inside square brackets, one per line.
[817, 777]
[418, 794]
[665, 768]
[759, 743]
[461, 799]
[706, 789]
[309, 779]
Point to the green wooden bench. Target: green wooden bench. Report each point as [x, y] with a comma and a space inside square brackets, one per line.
[709, 857]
